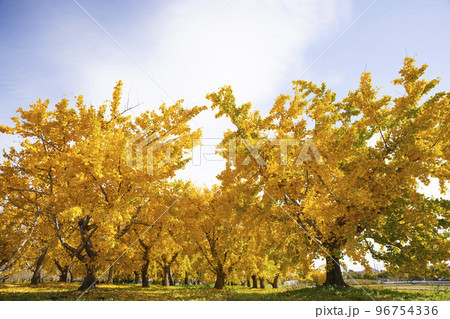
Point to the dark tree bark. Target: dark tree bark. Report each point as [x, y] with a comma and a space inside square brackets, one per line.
[86, 230]
[39, 264]
[165, 264]
[136, 277]
[89, 280]
[255, 281]
[274, 283]
[248, 282]
[145, 273]
[220, 278]
[166, 279]
[262, 283]
[146, 262]
[110, 274]
[186, 278]
[334, 273]
[64, 272]
[64, 275]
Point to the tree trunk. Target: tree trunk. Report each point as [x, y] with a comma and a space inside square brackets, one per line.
[146, 263]
[89, 280]
[39, 264]
[145, 273]
[262, 284]
[86, 232]
[274, 283]
[64, 275]
[64, 272]
[334, 273]
[171, 281]
[220, 279]
[248, 282]
[166, 279]
[110, 274]
[186, 278]
[136, 277]
[255, 281]
[69, 274]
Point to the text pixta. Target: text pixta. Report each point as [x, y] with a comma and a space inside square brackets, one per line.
[337, 311]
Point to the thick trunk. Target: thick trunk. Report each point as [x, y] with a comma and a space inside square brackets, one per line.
[262, 283]
[186, 278]
[37, 270]
[248, 282]
[334, 273]
[89, 280]
[65, 275]
[166, 279]
[86, 232]
[274, 283]
[220, 279]
[146, 263]
[255, 281]
[171, 281]
[136, 277]
[110, 274]
[63, 271]
[145, 273]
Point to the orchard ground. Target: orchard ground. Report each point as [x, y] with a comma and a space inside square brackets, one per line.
[68, 292]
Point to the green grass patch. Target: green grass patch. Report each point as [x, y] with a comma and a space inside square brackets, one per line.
[63, 291]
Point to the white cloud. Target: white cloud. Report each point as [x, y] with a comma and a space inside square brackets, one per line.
[195, 47]
[250, 45]
[190, 48]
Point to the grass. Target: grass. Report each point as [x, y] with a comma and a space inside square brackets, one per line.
[67, 291]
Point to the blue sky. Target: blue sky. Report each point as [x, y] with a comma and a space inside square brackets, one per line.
[51, 49]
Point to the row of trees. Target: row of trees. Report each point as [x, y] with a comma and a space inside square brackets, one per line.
[70, 203]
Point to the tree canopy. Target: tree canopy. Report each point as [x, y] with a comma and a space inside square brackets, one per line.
[313, 178]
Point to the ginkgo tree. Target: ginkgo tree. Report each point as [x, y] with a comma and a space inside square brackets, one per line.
[154, 232]
[214, 221]
[362, 188]
[75, 160]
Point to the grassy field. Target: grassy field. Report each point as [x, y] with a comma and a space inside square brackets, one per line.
[63, 291]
